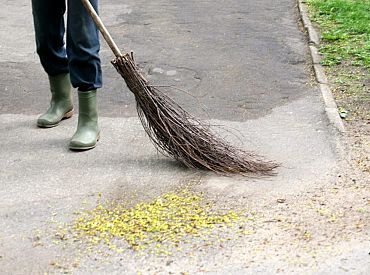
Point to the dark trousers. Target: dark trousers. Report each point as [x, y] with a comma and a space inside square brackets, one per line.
[80, 56]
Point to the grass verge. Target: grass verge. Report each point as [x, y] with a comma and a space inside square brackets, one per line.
[345, 48]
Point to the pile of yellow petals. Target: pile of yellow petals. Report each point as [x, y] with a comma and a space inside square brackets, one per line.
[166, 219]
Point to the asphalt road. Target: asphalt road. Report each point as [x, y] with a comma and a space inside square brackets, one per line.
[246, 57]
[244, 61]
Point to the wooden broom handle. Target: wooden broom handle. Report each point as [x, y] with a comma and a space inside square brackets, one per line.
[107, 37]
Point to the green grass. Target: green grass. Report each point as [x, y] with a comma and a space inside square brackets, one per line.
[345, 30]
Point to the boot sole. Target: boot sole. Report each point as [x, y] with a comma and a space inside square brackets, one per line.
[67, 115]
[87, 147]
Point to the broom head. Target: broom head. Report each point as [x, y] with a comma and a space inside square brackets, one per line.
[180, 135]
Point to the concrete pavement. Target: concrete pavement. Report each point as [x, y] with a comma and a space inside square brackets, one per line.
[246, 61]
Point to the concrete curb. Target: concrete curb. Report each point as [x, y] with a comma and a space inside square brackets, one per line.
[331, 108]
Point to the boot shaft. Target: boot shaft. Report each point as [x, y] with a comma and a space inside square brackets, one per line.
[87, 106]
[61, 88]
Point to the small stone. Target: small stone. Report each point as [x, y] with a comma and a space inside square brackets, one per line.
[171, 73]
[169, 262]
[158, 70]
[281, 200]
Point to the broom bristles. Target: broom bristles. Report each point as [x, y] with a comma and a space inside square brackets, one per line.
[177, 134]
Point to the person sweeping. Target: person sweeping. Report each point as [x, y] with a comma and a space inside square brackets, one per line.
[172, 130]
[75, 65]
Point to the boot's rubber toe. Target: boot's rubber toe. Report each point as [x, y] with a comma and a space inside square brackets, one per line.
[48, 121]
[83, 143]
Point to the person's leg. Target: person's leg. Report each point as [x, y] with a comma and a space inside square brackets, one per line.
[83, 47]
[49, 33]
[84, 63]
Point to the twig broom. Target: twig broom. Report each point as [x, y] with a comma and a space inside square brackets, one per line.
[174, 131]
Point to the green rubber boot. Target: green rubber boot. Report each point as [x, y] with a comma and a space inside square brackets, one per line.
[61, 102]
[88, 133]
